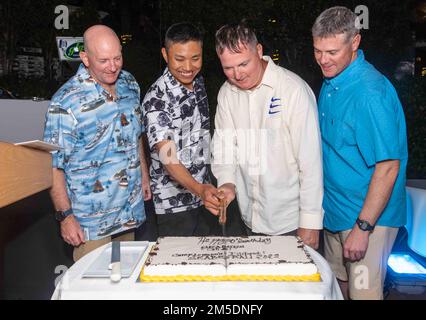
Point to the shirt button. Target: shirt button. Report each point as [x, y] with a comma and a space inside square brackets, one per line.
[322, 114]
[329, 95]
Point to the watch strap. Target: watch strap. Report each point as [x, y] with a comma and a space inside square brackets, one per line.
[68, 212]
[61, 215]
[364, 225]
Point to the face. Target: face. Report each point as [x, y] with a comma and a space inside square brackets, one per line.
[334, 54]
[244, 69]
[104, 61]
[184, 61]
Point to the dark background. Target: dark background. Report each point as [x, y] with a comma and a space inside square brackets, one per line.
[395, 44]
[30, 244]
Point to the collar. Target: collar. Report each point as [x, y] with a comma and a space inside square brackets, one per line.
[269, 76]
[347, 73]
[83, 75]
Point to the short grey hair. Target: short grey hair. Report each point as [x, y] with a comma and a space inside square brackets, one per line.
[231, 37]
[334, 21]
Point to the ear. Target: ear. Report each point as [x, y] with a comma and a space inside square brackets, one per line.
[355, 42]
[164, 53]
[259, 50]
[84, 58]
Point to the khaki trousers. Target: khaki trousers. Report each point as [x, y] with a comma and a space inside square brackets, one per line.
[367, 276]
[91, 245]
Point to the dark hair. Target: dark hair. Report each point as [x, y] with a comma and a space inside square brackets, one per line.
[181, 33]
[231, 36]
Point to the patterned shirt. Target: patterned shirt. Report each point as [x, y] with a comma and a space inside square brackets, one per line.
[100, 152]
[172, 112]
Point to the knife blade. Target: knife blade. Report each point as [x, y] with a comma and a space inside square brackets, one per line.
[222, 222]
[115, 262]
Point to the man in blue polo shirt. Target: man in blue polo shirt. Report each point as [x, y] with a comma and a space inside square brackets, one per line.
[365, 156]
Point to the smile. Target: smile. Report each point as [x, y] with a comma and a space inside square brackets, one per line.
[186, 73]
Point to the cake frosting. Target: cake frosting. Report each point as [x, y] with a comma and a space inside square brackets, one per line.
[254, 258]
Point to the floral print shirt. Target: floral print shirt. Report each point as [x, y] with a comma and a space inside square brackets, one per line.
[173, 112]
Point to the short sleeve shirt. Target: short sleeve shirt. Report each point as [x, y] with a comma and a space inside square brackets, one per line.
[99, 140]
[362, 123]
[173, 112]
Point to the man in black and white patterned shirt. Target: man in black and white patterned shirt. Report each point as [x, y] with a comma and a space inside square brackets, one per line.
[176, 118]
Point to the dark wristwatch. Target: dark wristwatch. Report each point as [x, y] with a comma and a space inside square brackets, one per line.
[364, 225]
[61, 215]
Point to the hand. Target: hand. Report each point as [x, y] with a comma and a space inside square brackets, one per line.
[227, 192]
[210, 196]
[146, 188]
[356, 244]
[309, 237]
[71, 231]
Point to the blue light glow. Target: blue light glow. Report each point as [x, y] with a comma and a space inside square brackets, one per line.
[404, 263]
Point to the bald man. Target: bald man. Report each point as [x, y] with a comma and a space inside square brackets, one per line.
[100, 176]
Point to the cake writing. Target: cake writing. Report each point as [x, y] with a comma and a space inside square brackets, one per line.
[236, 256]
[214, 241]
[221, 247]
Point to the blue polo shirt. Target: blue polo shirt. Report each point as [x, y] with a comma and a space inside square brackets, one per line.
[362, 123]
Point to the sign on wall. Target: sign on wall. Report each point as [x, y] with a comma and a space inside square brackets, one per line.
[69, 48]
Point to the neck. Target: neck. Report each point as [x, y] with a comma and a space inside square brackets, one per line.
[188, 86]
[354, 56]
[264, 64]
[110, 89]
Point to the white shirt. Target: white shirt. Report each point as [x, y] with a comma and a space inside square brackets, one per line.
[267, 143]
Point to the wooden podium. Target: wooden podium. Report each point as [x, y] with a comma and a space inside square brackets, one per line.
[24, 171]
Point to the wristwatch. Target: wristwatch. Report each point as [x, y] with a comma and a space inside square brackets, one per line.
[364, 225]
[61, 215]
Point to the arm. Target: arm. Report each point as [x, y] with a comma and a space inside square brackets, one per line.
[55, 126]
[306, 142]
[168, 157]
[146, 188]
[70, 228]
[223, 147]
[379, 192]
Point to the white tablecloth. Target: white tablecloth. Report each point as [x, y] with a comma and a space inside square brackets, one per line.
[74, 287]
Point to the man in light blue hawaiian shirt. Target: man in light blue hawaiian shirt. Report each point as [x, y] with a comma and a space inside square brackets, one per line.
[177, 121]
[100, 177]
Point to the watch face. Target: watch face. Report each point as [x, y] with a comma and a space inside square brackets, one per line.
[364, 225]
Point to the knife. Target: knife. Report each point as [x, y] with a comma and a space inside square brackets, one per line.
[115, 262]
[222, 222]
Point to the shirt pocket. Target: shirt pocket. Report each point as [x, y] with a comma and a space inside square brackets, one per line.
[338, 133]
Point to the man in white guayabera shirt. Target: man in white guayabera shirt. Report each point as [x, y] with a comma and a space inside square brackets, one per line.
[267, 146]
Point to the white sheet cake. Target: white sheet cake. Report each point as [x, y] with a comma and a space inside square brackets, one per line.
[255, 258]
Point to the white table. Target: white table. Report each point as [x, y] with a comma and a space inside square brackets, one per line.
[74, 287]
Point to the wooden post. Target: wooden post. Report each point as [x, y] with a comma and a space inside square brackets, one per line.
[23, 171]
